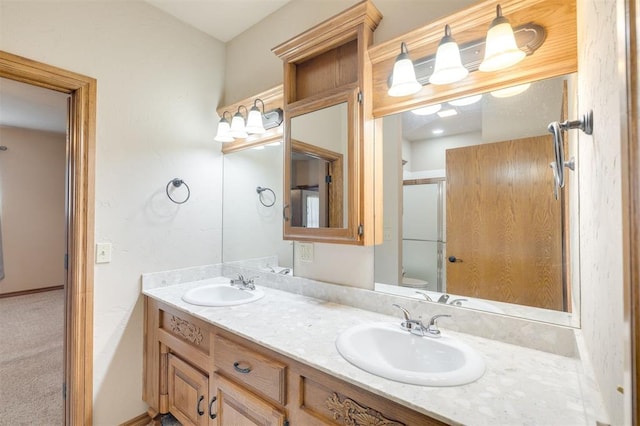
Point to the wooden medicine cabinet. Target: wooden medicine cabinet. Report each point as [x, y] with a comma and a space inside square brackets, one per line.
[329, 148]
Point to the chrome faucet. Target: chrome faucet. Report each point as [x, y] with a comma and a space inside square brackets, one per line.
[432, 328]
[443, 298]
[426, 296]
[244, 283]
[417, 327]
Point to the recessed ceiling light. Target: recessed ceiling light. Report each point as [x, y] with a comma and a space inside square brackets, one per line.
[437, 131]
[510, 91]
[447, 113]
[466, 101]
[431, 109]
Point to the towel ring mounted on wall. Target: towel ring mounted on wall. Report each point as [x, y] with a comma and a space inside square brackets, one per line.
[176, 182]
[260, 190]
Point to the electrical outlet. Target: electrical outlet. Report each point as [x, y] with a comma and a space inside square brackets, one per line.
[306, 252]
[103, 252]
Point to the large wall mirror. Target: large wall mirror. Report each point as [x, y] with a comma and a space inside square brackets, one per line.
[470, 214]
[252, 209]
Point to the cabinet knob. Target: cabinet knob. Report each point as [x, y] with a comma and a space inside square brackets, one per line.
[454, 259]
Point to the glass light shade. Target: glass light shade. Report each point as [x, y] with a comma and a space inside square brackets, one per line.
[223, 132]
[428, 110]
[448, 68]
[510, 91]
[501, 50]
[237, 126]
[254, 122]
[403, 78]
[447, 113]
[469, 100]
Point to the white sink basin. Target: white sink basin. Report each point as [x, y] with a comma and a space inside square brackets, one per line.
[388, 351]
[221, 293]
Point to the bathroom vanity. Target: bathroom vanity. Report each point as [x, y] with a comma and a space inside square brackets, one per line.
[206, 374]
[274, 361]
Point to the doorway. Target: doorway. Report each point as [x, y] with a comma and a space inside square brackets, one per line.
[78, 345]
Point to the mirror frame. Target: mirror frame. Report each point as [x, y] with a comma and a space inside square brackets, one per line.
[349, 234]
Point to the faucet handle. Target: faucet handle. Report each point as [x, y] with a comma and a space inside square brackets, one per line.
[432, 327]
[407, 315]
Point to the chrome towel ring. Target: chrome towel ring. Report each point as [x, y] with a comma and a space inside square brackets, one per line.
[177, 183]
[260, 191]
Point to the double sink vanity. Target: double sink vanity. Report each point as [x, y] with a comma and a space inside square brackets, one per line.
[284, 348]
[281, 358]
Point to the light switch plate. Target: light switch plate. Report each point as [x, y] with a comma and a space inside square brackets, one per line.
[306, 252]
[103, 252]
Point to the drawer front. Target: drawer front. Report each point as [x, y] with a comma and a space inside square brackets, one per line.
[186, 329]
[262, 374]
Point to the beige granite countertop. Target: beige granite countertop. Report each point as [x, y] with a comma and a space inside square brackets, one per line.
[520, 386]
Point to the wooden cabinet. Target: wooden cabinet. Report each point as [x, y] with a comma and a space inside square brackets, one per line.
[230, 381]
[327, 104]
[259, 373]
[188, 392]
[238, 406]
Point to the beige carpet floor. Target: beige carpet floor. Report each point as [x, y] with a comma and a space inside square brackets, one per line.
[31, 359]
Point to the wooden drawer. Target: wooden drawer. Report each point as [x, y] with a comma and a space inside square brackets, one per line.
[262, 374]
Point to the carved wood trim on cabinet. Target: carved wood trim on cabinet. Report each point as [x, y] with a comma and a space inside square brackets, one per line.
[352, 413]
[556, 56]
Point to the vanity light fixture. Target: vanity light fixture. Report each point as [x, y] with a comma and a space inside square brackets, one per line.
[469, 100]
[403, 78]
[224, 129]
[428, 110]
[254, 119]
[237, 124]
[510, 91]
[447, 113]
[501, 50]
[448, 68]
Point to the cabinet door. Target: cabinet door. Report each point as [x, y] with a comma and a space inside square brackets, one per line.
[188, 393]
[239, 407]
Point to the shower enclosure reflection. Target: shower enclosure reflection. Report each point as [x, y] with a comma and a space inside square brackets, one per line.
[475, 215]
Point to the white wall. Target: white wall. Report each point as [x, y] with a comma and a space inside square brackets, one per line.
[250, 229]
[599, 164]
[159, 82]
[32, 186]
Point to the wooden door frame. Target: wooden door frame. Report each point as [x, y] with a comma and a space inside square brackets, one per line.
[628, 35]
[78, 405]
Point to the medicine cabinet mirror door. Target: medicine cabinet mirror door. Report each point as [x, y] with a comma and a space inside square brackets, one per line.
[321, 148]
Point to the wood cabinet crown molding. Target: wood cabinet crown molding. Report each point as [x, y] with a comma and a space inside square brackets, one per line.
[329, 33]
[556, 56]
